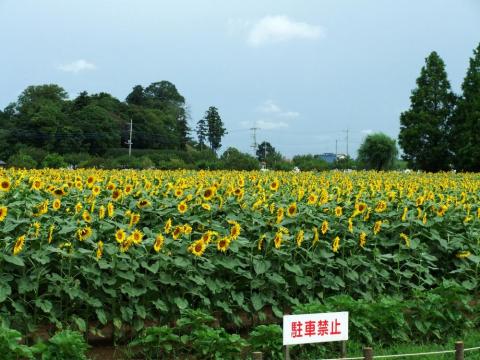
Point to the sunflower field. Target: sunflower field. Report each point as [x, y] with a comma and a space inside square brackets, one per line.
[91, 248]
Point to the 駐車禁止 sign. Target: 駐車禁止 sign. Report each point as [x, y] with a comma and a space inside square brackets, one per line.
[313, 328]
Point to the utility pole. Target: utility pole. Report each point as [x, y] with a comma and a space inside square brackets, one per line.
[254, 136]
[129, 141]
[347, 143]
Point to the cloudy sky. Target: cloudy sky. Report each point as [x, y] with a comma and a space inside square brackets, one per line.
[302, 71]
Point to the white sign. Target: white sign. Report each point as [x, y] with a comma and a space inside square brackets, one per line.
[314, 328]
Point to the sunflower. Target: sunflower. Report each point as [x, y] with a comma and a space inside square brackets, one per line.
[405, 213]
[56, 204]
[377, 226]
[168, 226]
[120, 236]
[274, 185]
[360, 207]
[207, 236]
[158, 244]
[137, 236]
[143, 203]
[463, 254]
[442, 209]
[363, 239]
[312, 199]
[209, 193]
[111, 186]
[299, 238]
[324, 227]
[187, 229]
[36, 184]
[182, 207]
[36, 226]
[134, 219]
[90, 180]
[19, 245]
[84, 233]
[315, 235]
[177, 232]
[59, 192]
[206, 206]
[96, 190]
[292, 210]
[178, 192]
[234, 230]
[86, 216]
[78, 207]
[124, 246]
[110, 210]
[278, 239]
[336, 244]
[50, 233]
[280, 214]
[338, 211]
[223, 244]
[198, 248]
[350, 225]
[381, 206]
[116, 194]
[99, 250]
[406, 239]
[101, 212]
[260, 242]
[5, 185]
[3, 212]
[128, 189]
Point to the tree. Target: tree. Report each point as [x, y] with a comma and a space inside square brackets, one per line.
[215, 129]
[136, 97]
[202, 132]
[233, 159]
[465, 129]
[378, 152]
[267, 154]
[424, 128]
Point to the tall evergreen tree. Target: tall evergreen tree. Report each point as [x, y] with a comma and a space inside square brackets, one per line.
[465, 135]
[424, 128]
[202, 132]
[215, 128]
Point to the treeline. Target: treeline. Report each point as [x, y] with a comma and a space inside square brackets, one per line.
[441, 129]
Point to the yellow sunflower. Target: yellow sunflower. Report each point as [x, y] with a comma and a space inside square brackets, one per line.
[120, 236]
[336, 244]
[19, 245]
[223, 244]
[3, 212]
[292, 210]
[198, 248]
[182, 207]
[159, 240]
[99, 250]
[84, 233]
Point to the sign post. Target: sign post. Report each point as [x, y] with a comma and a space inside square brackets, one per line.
[314, 328]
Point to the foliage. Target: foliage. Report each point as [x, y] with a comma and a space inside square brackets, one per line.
[89, 248]
[465, 135]
[378, 152]
[267, 154]
[54, 160]
[66, 344]
[267, 339]
[215, 129]
[424, 128]
[232, 159]
[22, 161]
[309, 163]
[10, 346]
[193, 335]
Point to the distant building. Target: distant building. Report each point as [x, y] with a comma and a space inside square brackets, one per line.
[328, 157]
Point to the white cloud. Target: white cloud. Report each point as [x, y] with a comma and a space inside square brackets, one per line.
[271, 108]
[270, 125]
[77, 66]
[274, 29]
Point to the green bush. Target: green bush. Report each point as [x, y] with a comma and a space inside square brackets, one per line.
[54, 160]
[21, 160]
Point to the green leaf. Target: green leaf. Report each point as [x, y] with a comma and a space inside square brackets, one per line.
[160, 305]
[102, 317]
[14, 260]
[45, 305]
[257, 302]
[181, 303]
[296, 269]
[261, 266]
[5, 291]
[82, 326]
